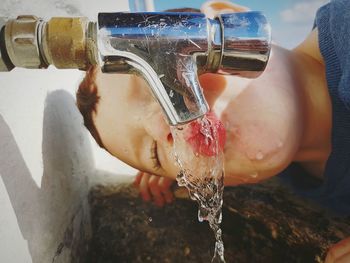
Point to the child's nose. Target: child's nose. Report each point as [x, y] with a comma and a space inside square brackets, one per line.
[156, 125]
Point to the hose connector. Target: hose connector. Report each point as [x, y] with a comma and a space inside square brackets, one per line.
[69, 43]
[66, 43]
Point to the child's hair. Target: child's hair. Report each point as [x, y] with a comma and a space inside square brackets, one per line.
[87, 95]
[87, 99]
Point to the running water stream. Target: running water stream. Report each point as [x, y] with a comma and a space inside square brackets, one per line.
[198, 150]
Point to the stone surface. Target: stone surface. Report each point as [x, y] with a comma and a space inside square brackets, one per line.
[261, 223]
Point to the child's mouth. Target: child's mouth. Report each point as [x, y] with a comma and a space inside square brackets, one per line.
[207, 136]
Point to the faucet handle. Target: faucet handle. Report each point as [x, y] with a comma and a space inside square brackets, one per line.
[245, 44]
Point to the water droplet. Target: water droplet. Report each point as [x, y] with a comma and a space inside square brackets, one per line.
[259, 156]
[196, 154]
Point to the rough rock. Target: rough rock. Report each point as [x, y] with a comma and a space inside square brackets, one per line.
[261, 223]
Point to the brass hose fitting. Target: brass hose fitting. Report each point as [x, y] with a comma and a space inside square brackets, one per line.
[66, 43]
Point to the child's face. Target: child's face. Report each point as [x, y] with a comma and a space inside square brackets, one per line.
[131, 124]
[263, 119]
[257, 120]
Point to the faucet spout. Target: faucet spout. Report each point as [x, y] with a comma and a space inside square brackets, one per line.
[161, 47]
[170, 50]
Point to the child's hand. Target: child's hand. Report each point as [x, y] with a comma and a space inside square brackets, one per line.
[339, 253]
[213, 8]
[154, 188]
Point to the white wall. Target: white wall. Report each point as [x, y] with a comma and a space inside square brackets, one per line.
[47, 158]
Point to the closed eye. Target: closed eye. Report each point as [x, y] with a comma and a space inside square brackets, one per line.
[154, 156]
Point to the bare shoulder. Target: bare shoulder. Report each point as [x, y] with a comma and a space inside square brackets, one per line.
[263, 122]
[310, 46]
[280, 117]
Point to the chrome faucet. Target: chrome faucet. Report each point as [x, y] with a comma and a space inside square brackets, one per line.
[170, 50]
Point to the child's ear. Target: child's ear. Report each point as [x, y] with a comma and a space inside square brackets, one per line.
[213, 8]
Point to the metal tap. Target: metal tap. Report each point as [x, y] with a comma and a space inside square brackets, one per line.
[170, 50]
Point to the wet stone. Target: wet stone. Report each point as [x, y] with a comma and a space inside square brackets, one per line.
[261, 223]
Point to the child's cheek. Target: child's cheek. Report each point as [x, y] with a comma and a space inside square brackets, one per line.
[253, 146]
[255, 141]
[155, 124]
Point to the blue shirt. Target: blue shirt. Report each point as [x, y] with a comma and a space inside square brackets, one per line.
[333, 24]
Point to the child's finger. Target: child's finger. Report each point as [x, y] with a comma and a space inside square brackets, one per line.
[339, 250]
[143, 187]
[165, 183]
[165, 187]
[155, 190]
[137, 179]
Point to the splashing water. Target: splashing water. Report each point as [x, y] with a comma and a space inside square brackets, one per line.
[201, 171]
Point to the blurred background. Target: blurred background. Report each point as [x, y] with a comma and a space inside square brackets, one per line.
[291, 20]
